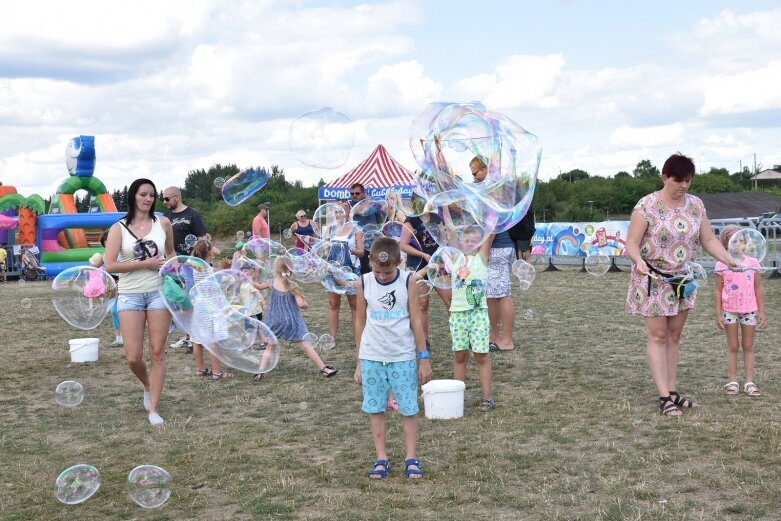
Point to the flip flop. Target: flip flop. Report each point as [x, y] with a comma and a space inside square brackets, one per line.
[493, 347]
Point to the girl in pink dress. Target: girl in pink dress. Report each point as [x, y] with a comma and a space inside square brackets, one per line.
[740, 301]
[665, 232]
[95, 286]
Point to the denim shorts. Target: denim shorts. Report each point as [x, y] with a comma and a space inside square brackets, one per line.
[377, 378]
[149, 301]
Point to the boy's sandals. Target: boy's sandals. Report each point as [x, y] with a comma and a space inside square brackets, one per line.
[328, 371]
[413, 474]
[731, 388]
[667, 407]
[751, 389]
[682, 401]
[203, 372]
[486, 404]
[382, 471]
[221, 376]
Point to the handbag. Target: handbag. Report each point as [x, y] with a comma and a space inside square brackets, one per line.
[683, 285]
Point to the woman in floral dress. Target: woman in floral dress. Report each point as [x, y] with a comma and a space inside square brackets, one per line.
[665, 232]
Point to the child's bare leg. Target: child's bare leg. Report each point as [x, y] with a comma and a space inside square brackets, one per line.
[483, 362]
[312, 354]
[378, 436]
[733, 345]
[410, 426]
[198, 355]
[747, 334]
[459, 365]
[216, 367]
[334, 303]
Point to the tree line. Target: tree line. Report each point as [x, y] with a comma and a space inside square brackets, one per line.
[571, 197]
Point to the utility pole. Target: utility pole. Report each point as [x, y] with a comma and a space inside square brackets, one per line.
[755, 164]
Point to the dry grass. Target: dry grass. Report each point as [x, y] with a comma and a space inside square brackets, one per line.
[576, 433]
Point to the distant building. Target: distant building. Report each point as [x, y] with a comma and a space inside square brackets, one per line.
[734, 205]
[769, 174]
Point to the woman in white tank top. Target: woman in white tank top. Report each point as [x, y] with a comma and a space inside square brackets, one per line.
[136, 248]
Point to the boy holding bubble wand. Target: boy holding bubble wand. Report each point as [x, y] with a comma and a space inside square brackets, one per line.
[740, 301]
[389, 338]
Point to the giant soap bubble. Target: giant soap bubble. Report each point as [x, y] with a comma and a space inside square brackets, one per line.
[322, 138]
[243, 185]
[177, 277]
[149, 486]
[524, 272]
[747, 242]
[459, 220]
[69, 393]
[76, 484]
[327, 218]
[370, 212]
[446, 136]
[83, 295]
[443, 265]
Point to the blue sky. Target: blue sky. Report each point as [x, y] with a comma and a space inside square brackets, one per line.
[173, 86]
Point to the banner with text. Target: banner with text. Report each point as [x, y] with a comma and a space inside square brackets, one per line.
[580, 239]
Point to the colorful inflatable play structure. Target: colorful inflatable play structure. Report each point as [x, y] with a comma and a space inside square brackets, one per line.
[64, 237]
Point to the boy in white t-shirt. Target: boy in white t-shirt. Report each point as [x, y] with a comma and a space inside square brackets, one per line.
[390, 339]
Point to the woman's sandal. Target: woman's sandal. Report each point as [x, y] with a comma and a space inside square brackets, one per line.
[203, 372]
[381, 473]
[413, 474]
[221, 376]
[667, 406]
[486, 404]
[751, 389]
[682, 401]
[731, 388]
[328, 371]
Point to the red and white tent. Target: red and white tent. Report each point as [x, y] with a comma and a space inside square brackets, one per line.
[376, 173]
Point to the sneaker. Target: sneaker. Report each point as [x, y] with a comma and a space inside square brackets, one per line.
[117, 343]
[183, 342]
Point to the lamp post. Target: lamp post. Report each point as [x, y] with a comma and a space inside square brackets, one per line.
[591, 210]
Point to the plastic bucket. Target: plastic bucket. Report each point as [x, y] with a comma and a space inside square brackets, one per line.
[444, 399]
[84, 349]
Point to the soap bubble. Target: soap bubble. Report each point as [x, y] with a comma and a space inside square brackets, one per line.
[747, 242]
[411, 204]
[310, 338]
[149, 486]
[243, 185]
[259, 254]
[76, 484]
[340, 280]
[177, 277]
[598, 260]
[286, 233]
[525, 273]
[458, 220]
[370, 212]
[444, 263]
[26, 303]
[698, 273]
[69, 393]
[190, 241]
[21, 281]
[527, 314]
[424, 287]
[322, 138]
[326, 342]
[303, 406]
[327, 219]
[219, 182]
[83, 296]
[238, 340]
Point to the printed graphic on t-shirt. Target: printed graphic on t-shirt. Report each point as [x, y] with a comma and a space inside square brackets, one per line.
[475, 293]
[388, 300]
[145, 249]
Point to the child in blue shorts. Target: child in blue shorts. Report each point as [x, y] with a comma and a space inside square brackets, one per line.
[392, 353]
[469, 325]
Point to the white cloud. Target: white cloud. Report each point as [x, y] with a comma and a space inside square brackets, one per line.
[747, 91]
[402, 87]
[662, 135]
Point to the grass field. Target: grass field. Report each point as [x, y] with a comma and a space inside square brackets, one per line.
[576, 433]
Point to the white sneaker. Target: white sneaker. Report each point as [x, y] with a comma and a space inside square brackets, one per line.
[118, 342]
[181, 343]
[155, 419]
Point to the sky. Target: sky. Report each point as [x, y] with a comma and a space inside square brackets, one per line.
[168, 87]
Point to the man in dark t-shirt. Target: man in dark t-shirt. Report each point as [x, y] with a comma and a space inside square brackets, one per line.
[184, 220]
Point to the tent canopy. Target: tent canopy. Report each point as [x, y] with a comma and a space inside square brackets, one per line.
[376, 173]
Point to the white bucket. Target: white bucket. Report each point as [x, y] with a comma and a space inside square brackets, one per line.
[444, 399]
[84, 349]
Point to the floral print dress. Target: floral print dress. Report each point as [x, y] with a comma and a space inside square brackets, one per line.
[670, 242]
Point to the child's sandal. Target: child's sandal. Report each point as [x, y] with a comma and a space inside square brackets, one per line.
[203, 372]
[221, 376]
[667, 407]
[731, 388]
[380, 473]
[486, 404]
[682, 401]
[751, 389]
[413, 474]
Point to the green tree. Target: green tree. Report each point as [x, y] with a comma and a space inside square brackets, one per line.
[574, 176]
[622, 174]
[646, 169]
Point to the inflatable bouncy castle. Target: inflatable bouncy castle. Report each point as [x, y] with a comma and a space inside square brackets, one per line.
[67, 238]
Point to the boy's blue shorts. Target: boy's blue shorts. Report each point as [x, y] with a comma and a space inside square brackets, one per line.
[377, 378]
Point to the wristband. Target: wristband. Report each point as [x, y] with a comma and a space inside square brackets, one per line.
[423, 354]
